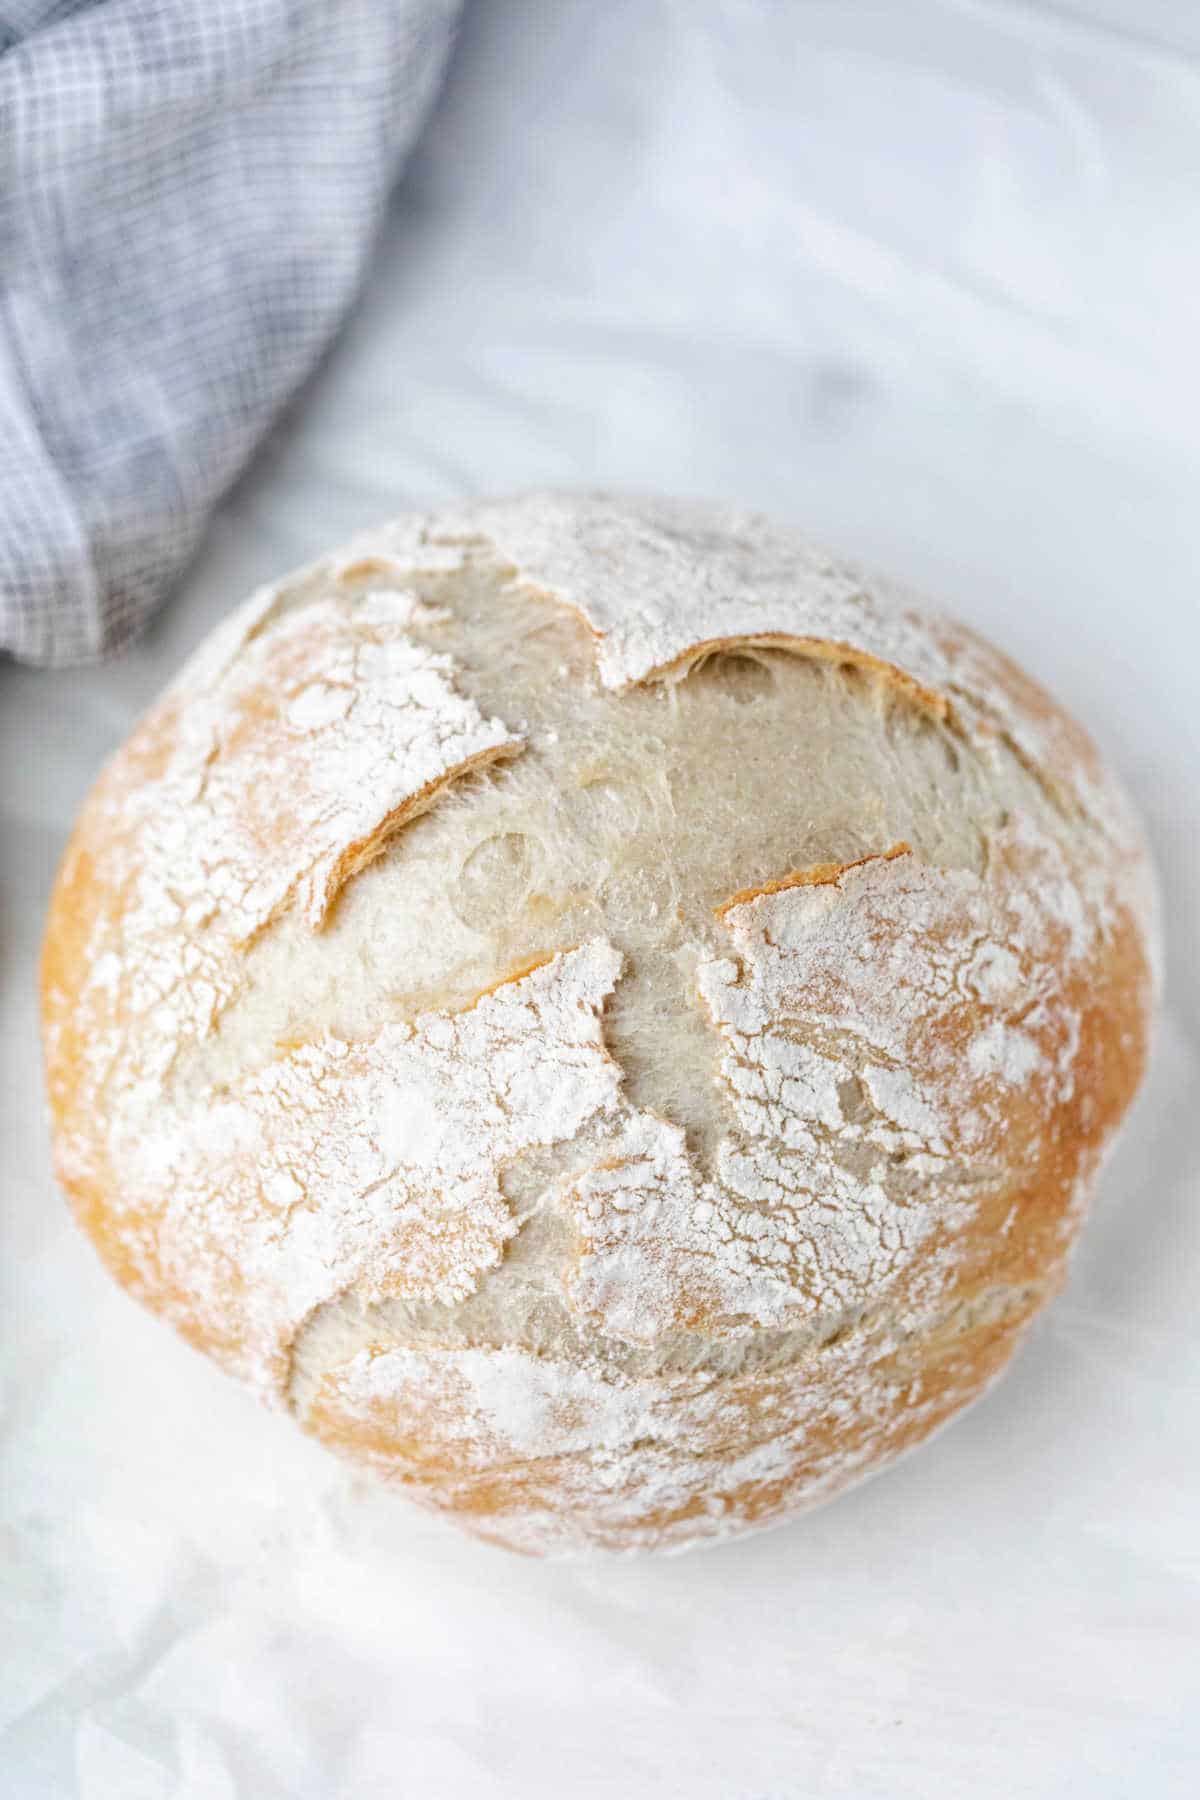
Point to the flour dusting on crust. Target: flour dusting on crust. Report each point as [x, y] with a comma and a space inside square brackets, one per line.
[370, 1167]
[657, 579]
[891, 1037]
[665, 582]
[332, 726]
[293, 746]
[915, 1069]
[552, 1457]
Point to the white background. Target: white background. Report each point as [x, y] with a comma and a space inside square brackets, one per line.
[923, 277]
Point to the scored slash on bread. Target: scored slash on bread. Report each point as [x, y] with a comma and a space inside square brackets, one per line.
[816, 875]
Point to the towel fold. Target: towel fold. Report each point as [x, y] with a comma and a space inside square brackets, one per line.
[188, 193]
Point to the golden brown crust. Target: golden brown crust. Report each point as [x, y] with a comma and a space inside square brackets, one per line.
[816, 875]
[935, 1066]
[529, 967]
[921, 1073]
[310, 735]
[363, 851]
[681, 1458]
[816, 649]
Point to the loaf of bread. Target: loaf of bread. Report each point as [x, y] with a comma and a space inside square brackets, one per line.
[605, 1013]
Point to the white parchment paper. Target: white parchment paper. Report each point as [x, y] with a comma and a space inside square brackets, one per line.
[921, 277]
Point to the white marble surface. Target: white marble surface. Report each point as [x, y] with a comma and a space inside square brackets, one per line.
[923, 278]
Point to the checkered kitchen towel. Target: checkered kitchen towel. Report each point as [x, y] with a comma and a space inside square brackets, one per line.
[188, 191]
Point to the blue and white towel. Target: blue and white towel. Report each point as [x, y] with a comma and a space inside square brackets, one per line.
[188, 193]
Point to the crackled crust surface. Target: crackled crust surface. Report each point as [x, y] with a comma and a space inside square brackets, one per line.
[424, 1042]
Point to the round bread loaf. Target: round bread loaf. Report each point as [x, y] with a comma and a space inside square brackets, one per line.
[604, 1012]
